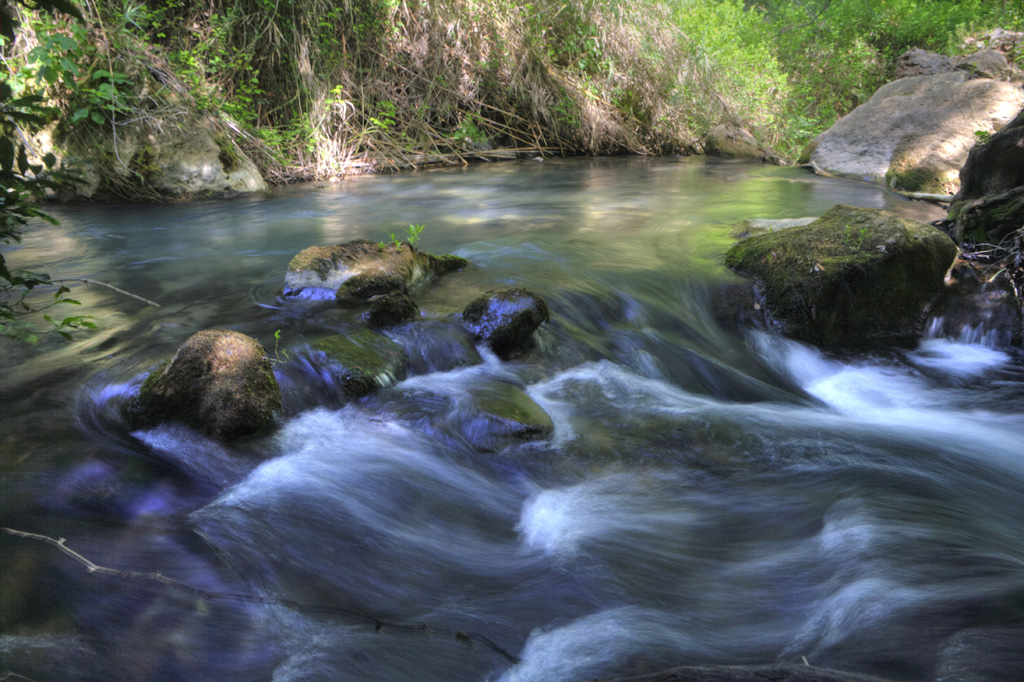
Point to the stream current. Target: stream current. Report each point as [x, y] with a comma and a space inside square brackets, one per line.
[709, 494]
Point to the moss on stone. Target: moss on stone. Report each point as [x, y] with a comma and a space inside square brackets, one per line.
[853, 276]
[364, 360]
[909, 174]
[219, 382]
[390, 309]
[444, 264]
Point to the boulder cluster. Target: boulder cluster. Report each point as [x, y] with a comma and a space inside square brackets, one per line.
[221, 383]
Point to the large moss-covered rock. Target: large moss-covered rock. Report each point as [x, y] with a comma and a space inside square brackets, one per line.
[990, 203]
[182, 156]
[854, 276]
[357, 271]
[219, 382]
[505, 318]
[363, 360]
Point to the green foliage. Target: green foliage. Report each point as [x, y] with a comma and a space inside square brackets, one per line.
[414, 234]
[837, 53]
[24, 184]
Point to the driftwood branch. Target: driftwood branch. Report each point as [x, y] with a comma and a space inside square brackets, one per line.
[468, 638]
[925, 196]
[86, 280]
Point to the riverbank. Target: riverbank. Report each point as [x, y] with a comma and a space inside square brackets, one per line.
[312, 91]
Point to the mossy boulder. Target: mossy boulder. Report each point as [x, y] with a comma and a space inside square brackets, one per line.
[505, 318]
[356, 271]
[363, 360]
[854, 276]
[390, 309]
[219, 382]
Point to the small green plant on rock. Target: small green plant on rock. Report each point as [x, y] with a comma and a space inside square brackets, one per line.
[414, 234]
[854, 238]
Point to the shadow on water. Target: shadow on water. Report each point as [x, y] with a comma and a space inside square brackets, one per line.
[645, 487]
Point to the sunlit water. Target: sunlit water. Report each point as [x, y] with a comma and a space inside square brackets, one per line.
[710, 494]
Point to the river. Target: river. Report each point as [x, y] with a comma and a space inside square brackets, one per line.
[710, 494]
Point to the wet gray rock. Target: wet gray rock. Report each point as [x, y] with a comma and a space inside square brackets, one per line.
[505, 318]
[219, 382]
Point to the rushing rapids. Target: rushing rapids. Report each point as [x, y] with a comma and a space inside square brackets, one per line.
[696, 492]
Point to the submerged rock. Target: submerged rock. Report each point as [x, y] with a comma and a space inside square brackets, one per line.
[505, 318]
[854, 276]
[357, 271]
[990, 203]
[363, 360]
[503, 414]
[219, 382]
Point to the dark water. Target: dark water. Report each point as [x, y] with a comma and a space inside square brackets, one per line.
[709, 494]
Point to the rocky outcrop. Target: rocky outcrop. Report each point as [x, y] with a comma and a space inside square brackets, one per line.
[855, 276]
[914, 133]
[729, 141]
[357, 271]
[505, 318]
[363, 361]
[219, 382]
[184, 156]
[990, 204]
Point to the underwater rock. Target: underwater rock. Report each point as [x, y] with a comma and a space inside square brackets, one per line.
[390, 309]
[363, 360]
[357, 271]
[502, 414]
[505, 318]
[854, 276]
[219, 382]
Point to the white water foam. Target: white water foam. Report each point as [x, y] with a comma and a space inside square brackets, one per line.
[958, 358]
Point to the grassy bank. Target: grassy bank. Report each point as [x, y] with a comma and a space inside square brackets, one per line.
[314, 89]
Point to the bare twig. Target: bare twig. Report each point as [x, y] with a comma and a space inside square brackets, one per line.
[468, 638]
[86, 280]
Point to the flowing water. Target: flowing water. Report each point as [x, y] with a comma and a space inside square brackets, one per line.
[709, 495]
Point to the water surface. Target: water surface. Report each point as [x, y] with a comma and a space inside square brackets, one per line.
[711, 494]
